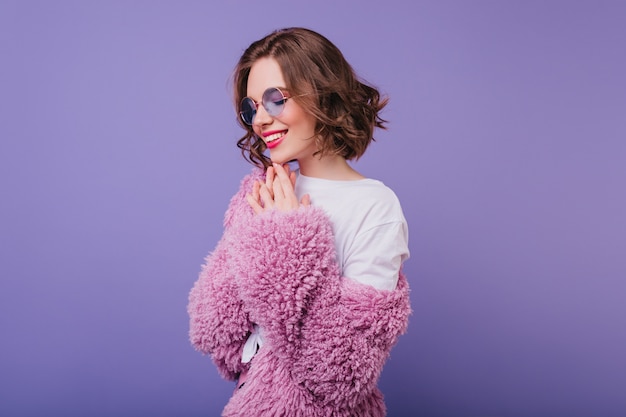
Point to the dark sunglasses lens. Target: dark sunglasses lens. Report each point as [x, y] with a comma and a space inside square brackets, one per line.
[273, 101]
[248, 110]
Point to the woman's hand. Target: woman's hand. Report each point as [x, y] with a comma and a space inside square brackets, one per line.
[278, 191]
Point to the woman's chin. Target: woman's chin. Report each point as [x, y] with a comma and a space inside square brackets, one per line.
[278, 160]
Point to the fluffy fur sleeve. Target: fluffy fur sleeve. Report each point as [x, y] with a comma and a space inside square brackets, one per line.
[218, 322]
[332, 333]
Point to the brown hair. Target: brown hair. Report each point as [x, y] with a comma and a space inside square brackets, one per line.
[321, 80]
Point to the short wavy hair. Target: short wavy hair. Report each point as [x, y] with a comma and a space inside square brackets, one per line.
[346, 109]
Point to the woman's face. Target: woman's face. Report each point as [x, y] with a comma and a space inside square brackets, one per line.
[290, 135]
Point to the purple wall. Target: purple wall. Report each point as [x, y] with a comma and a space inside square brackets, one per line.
[507, 148]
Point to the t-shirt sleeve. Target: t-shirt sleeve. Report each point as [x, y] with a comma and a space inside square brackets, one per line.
[376, 255]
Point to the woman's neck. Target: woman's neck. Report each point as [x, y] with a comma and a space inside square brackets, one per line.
[329, 167]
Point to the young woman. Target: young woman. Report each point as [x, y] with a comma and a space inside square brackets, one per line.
[304, 297]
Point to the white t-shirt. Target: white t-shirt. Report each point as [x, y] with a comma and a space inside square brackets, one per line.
[371, 233]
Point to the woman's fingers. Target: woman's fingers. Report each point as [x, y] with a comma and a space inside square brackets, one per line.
[281, 171]
[284, 192]
[255, 191]
[283, 177]
[277, 191]
[292, 178]
[270, 175]
[254, 198]
[277, 187]
[254, 204]
[266, 196]
[291, 174]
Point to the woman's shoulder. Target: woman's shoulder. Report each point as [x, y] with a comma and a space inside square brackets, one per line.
[238, 205]
[374, 193]
[246, 182]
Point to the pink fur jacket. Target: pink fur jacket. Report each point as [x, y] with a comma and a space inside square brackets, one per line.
[326, 337]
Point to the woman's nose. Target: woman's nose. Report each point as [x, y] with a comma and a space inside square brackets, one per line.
[262, 117]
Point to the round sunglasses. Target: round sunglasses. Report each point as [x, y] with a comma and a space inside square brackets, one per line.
[273, 102]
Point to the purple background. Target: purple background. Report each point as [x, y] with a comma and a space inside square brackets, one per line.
[506, 148]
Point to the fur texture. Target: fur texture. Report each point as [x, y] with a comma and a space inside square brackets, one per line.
[327, 337]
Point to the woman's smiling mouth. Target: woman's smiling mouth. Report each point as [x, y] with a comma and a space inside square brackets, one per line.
[272, 139]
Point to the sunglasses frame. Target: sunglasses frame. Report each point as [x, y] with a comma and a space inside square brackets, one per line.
[265, 102]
